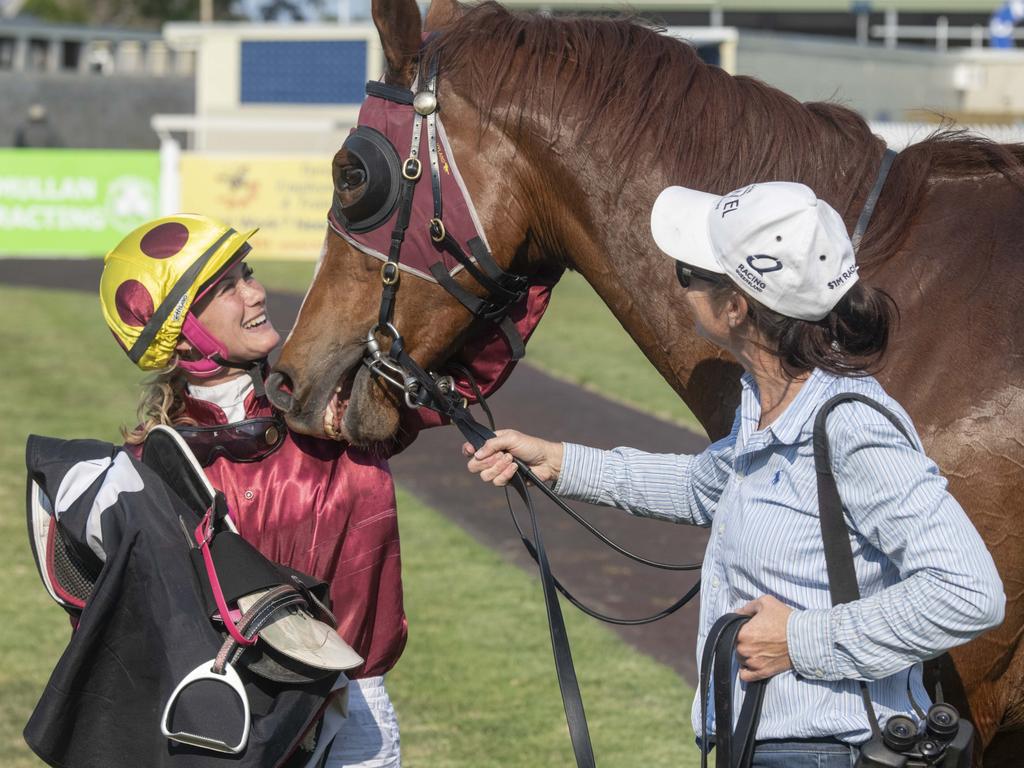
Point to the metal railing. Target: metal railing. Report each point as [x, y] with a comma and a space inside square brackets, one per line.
[900, 135]
[941, 32]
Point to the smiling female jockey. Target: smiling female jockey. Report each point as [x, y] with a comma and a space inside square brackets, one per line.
[182, 302]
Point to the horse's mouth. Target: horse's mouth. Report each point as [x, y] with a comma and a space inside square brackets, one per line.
[337, 405]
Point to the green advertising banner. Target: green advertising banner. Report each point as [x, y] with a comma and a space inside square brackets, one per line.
[74, 202]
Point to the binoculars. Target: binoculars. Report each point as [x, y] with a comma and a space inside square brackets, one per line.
[942, 739]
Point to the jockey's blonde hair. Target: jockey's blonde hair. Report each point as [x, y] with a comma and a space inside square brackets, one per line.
[161, 402]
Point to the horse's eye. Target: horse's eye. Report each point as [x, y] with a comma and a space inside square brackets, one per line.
[352, 177]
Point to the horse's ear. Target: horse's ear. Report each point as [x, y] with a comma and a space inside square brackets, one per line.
[400, 27]
[442, 13]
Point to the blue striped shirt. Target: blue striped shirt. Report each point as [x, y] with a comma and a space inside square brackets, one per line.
[927, 581]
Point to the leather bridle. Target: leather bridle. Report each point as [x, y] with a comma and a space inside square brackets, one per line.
[384, 171]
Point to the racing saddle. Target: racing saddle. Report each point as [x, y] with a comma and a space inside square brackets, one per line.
[190, 648]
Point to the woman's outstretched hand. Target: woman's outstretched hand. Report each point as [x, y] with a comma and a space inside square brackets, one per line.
[493, 462]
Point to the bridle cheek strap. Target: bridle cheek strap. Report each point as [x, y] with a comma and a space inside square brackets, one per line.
[437, 253]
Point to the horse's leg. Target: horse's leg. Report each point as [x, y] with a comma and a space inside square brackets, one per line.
[983, 680]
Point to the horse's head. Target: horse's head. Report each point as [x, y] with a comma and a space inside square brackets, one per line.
[320, 381]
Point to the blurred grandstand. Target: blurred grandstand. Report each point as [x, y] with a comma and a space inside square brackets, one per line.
[249, 105]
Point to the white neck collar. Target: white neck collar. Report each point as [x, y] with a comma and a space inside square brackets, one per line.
[228, 395]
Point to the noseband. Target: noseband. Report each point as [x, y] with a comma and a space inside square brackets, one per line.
[389, 194]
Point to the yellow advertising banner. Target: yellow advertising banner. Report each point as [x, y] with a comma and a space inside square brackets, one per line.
[286, 196]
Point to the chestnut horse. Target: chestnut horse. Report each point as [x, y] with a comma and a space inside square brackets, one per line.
[565, 130]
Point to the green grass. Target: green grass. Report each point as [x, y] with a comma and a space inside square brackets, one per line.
[476, 686]
[579, 340]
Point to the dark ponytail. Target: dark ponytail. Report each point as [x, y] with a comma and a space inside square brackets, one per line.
[850, 341]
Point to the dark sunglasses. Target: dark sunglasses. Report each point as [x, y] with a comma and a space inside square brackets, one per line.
[686, 274]
[242, 441]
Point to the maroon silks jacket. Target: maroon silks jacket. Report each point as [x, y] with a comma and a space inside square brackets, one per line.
[327, 509]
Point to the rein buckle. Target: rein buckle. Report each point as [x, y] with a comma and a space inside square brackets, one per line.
[437, 232]
[389, 273]
[412, 169]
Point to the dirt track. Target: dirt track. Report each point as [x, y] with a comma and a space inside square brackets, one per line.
[533, 402]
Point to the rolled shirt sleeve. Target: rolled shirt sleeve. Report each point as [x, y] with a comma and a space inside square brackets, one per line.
[674, 487]
[949, 590]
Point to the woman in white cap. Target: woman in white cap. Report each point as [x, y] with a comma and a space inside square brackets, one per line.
[770, 278]
[181, 300]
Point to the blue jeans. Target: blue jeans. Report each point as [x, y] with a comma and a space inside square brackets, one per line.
[802, 754]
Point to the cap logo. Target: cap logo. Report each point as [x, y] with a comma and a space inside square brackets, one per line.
[845, 275]
[749, 278]
[731, 201]
[762, 263]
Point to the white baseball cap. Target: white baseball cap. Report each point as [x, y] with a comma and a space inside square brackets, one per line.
[776, 240]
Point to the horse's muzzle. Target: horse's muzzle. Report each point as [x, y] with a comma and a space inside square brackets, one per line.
[279, 391]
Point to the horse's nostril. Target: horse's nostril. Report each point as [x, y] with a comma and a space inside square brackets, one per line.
[279, 391]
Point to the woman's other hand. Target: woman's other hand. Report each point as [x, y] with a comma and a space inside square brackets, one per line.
[762, 645]
[493, 462]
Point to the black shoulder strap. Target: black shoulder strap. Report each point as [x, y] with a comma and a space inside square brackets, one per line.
[842, 577]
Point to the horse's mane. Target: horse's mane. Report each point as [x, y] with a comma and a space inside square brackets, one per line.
[617, 87]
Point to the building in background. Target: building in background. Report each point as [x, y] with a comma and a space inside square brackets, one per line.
[247, 114]
[344, 11]
[99, 86]
[256, 84]
[29, 45]
[940, 23]
[259, 85]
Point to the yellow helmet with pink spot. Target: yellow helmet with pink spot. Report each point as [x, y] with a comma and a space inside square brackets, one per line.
[151, 280]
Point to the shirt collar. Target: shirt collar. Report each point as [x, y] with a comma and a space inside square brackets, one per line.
[227, 393]
[795, 423]
[210, 411]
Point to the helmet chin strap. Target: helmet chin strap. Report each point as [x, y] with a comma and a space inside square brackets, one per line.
[214, 357]
[253, 368]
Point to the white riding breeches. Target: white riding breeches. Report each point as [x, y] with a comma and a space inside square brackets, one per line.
[368, 736]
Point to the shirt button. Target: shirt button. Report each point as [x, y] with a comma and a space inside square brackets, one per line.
[819, 673]
[714, 583]
[721, 529]
[249, 495]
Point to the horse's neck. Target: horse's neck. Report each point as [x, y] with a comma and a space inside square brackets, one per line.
[640, 288]
[609, 242]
